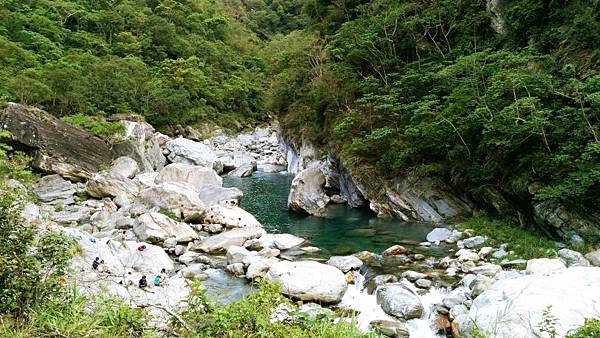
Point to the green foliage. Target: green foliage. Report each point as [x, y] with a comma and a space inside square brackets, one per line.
[169, 214]
[524, 243]
[32, 264]
[250, 317]
[95, 125]
[427, 87]
[548, 323]
[69, 316]
[174, 62]
[591, 329]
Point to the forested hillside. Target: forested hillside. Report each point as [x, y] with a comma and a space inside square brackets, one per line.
[174, 62]
[482, 94]
[501, 94]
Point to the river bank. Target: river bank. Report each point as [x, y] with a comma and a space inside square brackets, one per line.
[165, 207]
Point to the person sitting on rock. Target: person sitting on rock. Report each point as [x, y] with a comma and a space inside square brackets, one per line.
[103, 268]
[143, 283]
[157, 280]
[141, 248]
[163, 276]
[95, 263]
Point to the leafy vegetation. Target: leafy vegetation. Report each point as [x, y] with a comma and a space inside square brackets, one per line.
[95, 125]
[591, 329]
[251, 317]
[428, 87]
[175, 62]
[524, 243]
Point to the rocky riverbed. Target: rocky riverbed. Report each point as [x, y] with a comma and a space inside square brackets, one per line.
[162, 205]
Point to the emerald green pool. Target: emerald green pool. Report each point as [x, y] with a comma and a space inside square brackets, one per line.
[343, 230]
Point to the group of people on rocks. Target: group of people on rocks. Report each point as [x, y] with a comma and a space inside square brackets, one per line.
[159, 279]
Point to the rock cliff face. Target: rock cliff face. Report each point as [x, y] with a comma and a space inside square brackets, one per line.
[56, 147]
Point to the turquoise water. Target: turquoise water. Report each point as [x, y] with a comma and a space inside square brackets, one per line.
[342, 231]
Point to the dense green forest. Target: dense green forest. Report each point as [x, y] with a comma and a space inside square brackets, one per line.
[501, 94]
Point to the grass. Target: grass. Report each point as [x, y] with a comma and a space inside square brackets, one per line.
[77, 316]
[524, 243]
[250, 317]
[95, 125]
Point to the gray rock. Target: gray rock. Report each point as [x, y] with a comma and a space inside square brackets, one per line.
[593, 257]
[345, 263]
[213, 194]
[222, 241]
[236, 269]
[156, 228]
[104, 184]
[236, 254]
[176, 197]
[307, 194]
[572, 258]
[54, 146]
[489, 270]
[399, 301]
[309, 281]
[245, 170]
[442, 234]
[191, 175]
[186, 151]
[390, 328]
[572, 294]
[413, 275]
[423, 283]
[473, 242]
[544, 266]
[230, 217]
[124, 166]
[53, 189]
[479, 285]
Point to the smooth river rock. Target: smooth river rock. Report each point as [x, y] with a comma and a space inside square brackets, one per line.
[192, 175]
[514, 307]
[309, 281]
[156, 228]
[399, 301]
[307, 194]
[221, 242]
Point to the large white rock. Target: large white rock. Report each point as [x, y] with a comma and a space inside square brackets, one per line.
[398, 300]
[230, 216]
[275, 241]
[237, 254]
[307, 193]
[53, 189]
[345, 263]
[120, 257]
[593, 257]
[309, 281]
[192, 175]
[186, 151]
[514, 307]
[222, 241]
[443, 234]
[176, 197]
[544, 266]
[124, 166]
[212, 194]
[155, 228]
[104, 184]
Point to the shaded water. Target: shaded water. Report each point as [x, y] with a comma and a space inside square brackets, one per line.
[343, 230]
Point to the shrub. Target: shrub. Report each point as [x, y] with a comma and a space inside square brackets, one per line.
[524, 243]
[32, 264]
[591, 329]
[95, 125]
[250, 317]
